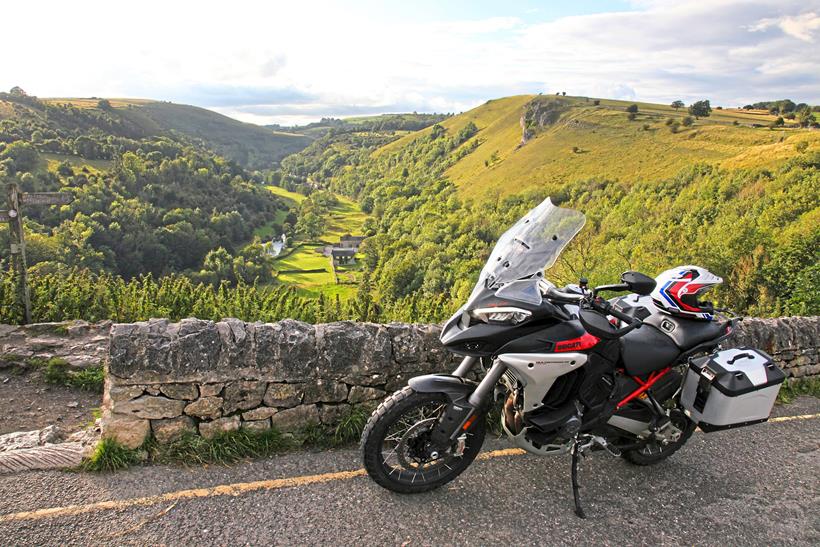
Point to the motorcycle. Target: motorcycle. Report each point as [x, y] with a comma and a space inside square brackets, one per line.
[632, 376]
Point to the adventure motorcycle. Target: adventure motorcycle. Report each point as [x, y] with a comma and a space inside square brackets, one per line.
[633, 376]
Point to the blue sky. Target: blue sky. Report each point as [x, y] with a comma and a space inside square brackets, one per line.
[289, 62]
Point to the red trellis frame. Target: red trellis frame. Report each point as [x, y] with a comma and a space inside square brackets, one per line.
[644, 385]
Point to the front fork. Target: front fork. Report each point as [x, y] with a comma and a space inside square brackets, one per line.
[463, 411]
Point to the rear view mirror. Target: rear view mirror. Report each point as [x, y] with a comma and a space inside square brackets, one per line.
[638, 282]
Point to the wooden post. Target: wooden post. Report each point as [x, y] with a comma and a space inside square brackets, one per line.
[18, 249]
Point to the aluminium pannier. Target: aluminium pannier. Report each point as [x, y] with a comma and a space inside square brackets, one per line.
[731, 388]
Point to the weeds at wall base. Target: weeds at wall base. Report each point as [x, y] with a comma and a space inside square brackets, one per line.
[795, 387]
[227, 448]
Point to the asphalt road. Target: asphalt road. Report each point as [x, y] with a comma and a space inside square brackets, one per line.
[751, 486]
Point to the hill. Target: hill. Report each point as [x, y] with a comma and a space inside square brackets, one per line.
[249, 145]
[737, 191]
[146, 200]
[599, 140]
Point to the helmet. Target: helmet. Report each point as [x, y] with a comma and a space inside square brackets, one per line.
[678, 289]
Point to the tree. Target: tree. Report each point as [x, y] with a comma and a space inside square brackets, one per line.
[633, 108]
[104, 104]
[677, 104]
[700, 109]
[805, 117]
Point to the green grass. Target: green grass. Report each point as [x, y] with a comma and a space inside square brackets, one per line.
[612, 146]
[287, 194]
[58, 371]
[109, 455]
[795, 387]
[305, 258]
[348, 431]
[226, 448]
[78, 163]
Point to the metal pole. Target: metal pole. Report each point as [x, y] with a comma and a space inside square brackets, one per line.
[18, 250]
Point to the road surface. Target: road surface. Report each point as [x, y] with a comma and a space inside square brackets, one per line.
[751, 486]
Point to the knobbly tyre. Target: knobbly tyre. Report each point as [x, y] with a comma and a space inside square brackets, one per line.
[632, 376]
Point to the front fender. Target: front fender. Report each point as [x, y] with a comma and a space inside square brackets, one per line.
[454, 421]
[457, 389]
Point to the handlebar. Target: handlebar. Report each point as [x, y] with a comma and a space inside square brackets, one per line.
[604, 307]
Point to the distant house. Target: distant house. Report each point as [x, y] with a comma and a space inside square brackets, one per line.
[343, 256]
[348, 241]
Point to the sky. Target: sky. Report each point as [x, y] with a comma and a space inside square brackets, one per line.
[296, 62]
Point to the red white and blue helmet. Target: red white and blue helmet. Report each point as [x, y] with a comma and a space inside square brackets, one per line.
[678, 290]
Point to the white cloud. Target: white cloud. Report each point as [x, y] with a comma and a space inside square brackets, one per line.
[801, 26]
[297, 62]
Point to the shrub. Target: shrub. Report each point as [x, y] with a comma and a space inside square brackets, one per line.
[632, 108]
[801, 146]
[631, 116]
[670, 121]
[674, 127]
[575, 149]
[646, 127]
[688, 121]
[596, 102]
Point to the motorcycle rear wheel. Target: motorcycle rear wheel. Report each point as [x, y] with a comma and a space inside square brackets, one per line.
[395, 444]
[654, 452]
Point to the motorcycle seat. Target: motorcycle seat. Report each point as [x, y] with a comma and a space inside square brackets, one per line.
[647, 349]
[686, 333]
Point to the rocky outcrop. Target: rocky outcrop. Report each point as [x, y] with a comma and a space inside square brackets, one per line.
[539, 114]
[210, 377]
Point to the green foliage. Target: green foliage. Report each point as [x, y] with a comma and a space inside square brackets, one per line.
[677, 104]
[632, 109]
[795, 387]
[161, 204]
[688, 121]
[109, 455]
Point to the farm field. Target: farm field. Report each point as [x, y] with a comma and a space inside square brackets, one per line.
[299, 267]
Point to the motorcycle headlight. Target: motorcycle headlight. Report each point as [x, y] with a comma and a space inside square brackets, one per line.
[501, 315]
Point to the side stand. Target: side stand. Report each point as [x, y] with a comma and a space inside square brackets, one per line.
[576, 454]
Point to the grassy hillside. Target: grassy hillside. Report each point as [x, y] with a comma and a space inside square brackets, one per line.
[249, 145]
[726, 191]
[600, 141]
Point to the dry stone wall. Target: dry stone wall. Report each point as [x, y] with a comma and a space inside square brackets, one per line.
[79, 343]
[207, 377]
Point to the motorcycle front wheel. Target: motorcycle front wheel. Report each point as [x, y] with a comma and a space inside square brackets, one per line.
[396, 445]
